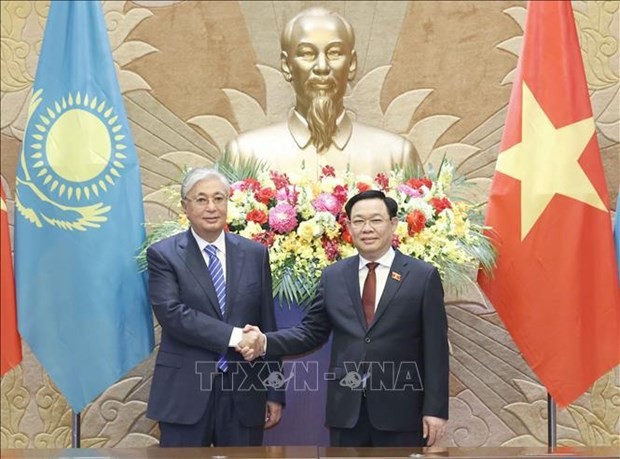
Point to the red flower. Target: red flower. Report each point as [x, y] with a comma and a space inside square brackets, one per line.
[265, 195]
[279, 180]
[257, 216]
[331, 248]
[362, 187]
[328, 171]
[266, 238]
[346, 236]
[415, 222]
[440, 204]
[250, 184]
[416, 184]
[383, 181]
[340, 192]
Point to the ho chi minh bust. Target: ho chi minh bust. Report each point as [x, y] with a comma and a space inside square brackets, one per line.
[318, 57]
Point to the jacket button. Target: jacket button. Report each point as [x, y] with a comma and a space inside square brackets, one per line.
[367, 339]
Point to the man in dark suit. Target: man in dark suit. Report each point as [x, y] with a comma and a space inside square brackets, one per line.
[204, 286]
[388, 376]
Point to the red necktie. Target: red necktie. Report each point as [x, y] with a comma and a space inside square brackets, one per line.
[369, 293]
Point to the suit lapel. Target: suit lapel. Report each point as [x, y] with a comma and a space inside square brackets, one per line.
[190, 252]
[234, 270]
[352, 279]
[392, 285]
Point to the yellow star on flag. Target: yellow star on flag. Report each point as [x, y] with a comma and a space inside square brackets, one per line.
[546, 162]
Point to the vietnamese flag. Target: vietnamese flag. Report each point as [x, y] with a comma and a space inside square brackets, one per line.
[555, 286]
[10, 343]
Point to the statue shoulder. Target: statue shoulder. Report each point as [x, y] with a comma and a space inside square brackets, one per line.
[266, 135]
[365, 131]
[401, 149]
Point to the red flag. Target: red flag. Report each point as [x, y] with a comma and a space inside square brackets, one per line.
[555, 286]
[10, 343]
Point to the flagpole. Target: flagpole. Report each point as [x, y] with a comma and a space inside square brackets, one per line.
[551, 423]
[75, 443]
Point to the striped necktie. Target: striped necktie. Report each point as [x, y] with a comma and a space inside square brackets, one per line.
[219, 282]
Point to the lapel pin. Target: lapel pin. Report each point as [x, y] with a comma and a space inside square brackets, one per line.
[396, 276]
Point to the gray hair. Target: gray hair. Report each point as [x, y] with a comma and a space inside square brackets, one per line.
[287, 32]
[197, 174]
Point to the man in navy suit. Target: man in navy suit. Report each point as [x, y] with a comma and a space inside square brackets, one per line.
[388, 376]
[205, 285]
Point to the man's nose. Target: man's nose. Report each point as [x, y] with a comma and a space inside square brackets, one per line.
[321, 67]
[367, 228]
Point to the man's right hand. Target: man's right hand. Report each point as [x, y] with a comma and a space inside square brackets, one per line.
[252, 344]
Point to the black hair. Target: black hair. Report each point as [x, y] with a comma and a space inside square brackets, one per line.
[390, 204]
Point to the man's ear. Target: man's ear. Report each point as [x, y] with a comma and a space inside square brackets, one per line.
[353, 66]
[284, 67]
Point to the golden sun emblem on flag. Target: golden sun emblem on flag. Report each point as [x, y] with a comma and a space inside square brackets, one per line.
[73, 155]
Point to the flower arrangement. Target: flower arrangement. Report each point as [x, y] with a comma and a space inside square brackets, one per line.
[302, 222]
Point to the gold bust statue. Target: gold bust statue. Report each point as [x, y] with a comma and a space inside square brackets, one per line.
[318, 58]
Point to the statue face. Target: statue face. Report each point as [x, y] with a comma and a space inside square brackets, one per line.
[319, 60]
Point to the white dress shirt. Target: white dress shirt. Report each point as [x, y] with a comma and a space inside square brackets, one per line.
[220, 244]
[382, 271]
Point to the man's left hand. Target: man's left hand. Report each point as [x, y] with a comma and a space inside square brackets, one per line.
[433, 429]
[273, 412]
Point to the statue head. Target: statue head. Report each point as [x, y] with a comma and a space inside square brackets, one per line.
[318, 57]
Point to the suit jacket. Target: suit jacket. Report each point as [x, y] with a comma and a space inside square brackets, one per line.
[404, 352]
[195, 335]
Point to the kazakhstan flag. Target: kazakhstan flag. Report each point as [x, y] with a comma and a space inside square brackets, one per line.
[82, 303]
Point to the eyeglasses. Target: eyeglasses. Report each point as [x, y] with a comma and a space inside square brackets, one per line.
[374, 223]
[202, 201]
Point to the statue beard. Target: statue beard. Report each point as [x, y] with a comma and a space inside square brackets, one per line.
[321, 118]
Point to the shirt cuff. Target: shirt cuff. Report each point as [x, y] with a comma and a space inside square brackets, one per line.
[235, 337]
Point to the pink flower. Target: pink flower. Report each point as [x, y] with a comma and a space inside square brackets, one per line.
[406, 189]
[237, 186]
[395, 241]
[288, 194]
[327, 202]
[283, 218]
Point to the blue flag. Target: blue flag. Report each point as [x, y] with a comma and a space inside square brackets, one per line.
[82, 303]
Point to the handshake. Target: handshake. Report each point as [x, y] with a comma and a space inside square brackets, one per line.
[252, 344]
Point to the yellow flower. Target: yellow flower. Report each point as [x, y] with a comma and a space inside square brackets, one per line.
[308, 230]
[234, 213]
[183, 220]
[250, 230]
[239, 196]
[347, 250]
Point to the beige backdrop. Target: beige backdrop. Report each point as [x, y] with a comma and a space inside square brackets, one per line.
[194, 74]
